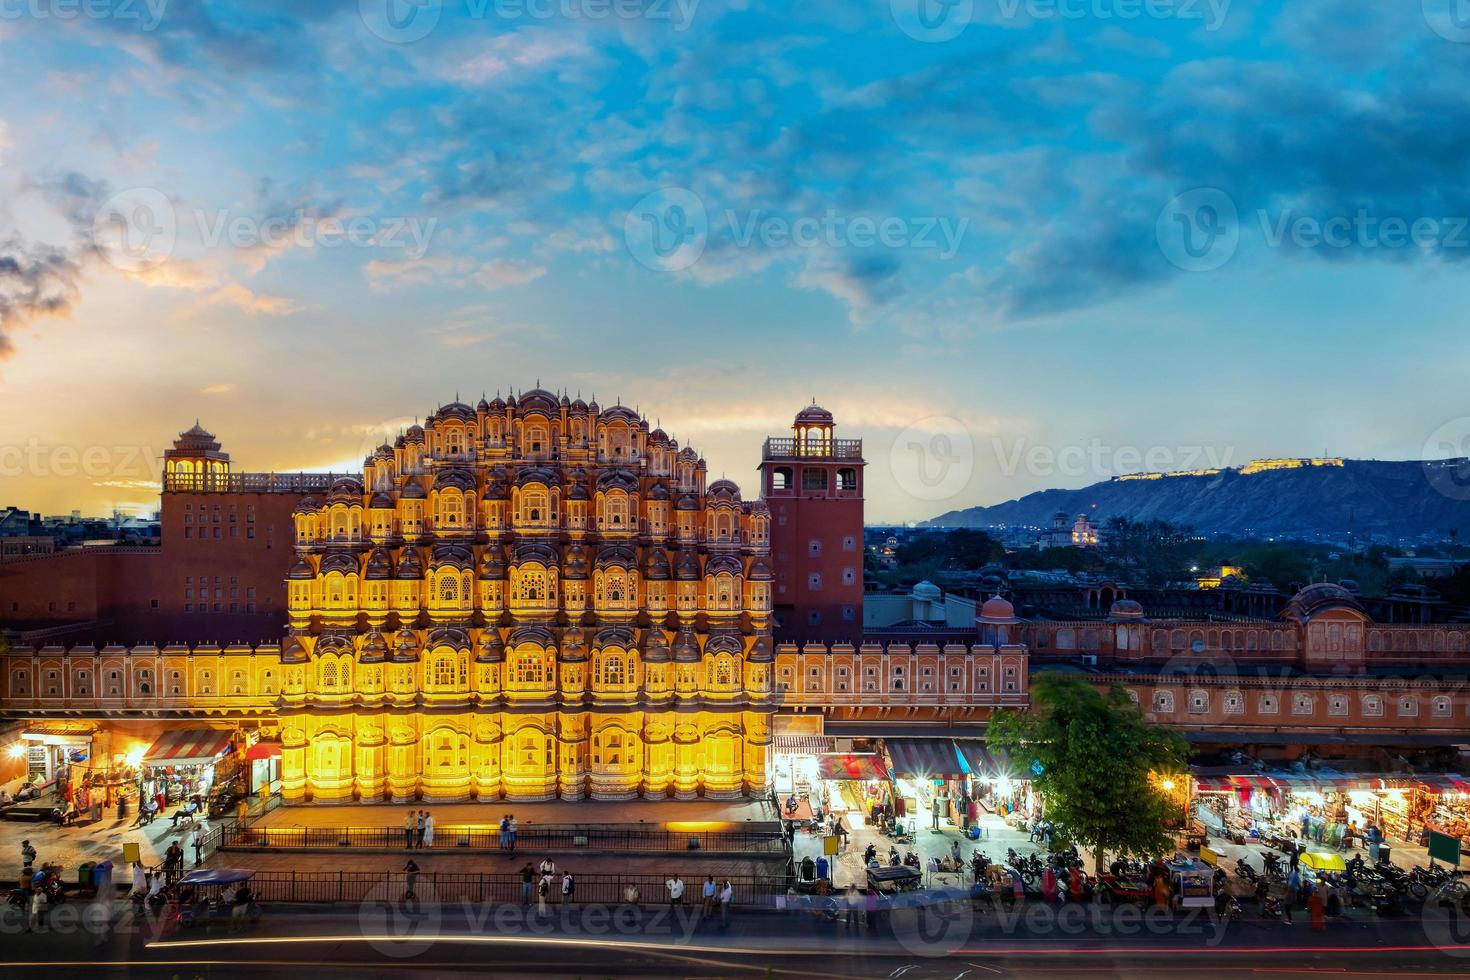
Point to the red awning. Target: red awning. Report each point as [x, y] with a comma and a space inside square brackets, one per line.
[263, 750]
[851, 766]
[1232, 784]
[187, 747]
[1443, 782]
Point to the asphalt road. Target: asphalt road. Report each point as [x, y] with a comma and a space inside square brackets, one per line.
[381, 941]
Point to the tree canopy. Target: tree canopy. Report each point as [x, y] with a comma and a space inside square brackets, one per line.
[1097, 755]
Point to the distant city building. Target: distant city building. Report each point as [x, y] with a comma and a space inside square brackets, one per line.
[1081, 533]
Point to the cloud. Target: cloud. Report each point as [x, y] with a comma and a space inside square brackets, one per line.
[386, 275]
[499, 273]
[217, 389]
[35, 281]
[243, 298]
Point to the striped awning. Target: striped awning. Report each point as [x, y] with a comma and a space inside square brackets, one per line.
[1443, 782]
[57, 731]
[1233, 784]
[187, 747]
[923, 758]
[849, 765]
[804, 743]
[979, 760]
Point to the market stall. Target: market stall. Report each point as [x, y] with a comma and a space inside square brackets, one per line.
[810, 768]
[928, 778]
[997, 783]
[52, 752]
[1234, 805]
[1444, 802]
[186, 763]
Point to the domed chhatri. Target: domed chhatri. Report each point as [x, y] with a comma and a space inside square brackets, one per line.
[562, 590]
[997, 611]
[1319, 598]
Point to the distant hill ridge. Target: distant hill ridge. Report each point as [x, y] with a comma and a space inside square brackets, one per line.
[1401, 499]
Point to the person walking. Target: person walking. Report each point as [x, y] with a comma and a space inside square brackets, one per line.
[675, 886]
[871, 909]
[1375, 842]
[567, 887]
[410, 881]
[27, 857]
[428, 829]
[197, 843]
[542, 890]
[548, 867]
[854, 907]
[528, 881]
[410, 824]
[727, 896]
[419, 828]
[710, 894]
[1049, 886]
[512, 831]
[1316, 905]
[1293, 891]
[504, 831]
[37, 909]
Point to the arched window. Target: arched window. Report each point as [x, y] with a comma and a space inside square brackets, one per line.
[614, 671]
[529, 669]
[723, 672]
[449, 590]
[329, 674]
[444, 672]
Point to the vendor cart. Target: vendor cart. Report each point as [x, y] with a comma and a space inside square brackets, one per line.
[1115, 890]
[1193, 884]
[892, 880]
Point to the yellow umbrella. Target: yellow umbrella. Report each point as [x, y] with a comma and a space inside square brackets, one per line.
[1322, 861]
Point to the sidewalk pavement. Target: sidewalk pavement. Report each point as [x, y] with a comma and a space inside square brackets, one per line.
[548, 812]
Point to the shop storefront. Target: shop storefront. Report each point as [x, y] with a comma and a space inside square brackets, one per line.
[187, 763]
[1232, 805]
[1445, 804]
[810, 768]
[263, 769]
[54, 754]
[997, 784]
[928, 779]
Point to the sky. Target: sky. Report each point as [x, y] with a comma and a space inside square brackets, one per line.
[1011, 244]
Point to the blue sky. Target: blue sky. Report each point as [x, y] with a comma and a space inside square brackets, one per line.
[962, 232]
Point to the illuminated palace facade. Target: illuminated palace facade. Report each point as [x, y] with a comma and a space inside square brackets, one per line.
[527, 599]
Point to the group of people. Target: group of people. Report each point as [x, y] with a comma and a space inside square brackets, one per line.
[508, 831]
[714, 897]
[418, 830]
[542, 881]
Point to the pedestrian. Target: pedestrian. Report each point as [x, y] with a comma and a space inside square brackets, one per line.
[711, 893]
[567, 887]
[504, 831]
[548, 867]
[870, 904]
[1263, 892]
[1293, 892]
[1375, 842]
[197, 842]
[965, 813]
[1296, 857]
[512, 831]
[1161, 891]
[727, 896]
[854, 906]
[428, 830]
[27, 856]
[38, 908]
[1049, 886]
[173, 859]
[630, 895]
[410, 881]
[974, 813]
[528, 880]
[542, 889]
[419, 828]
[840, 829]
[410, 824]
[938, 810]
[241, 908]
[1316, 904]
[675, 886]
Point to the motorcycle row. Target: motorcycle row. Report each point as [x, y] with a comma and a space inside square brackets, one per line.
[1384, 887]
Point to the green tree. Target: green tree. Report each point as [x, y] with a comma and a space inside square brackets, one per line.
[1097, 754]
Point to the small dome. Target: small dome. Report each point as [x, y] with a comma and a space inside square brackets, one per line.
[723, 488]
[686, 569]
[374, 648]
[997, 611]
[491, 649]
[686, 647]
[305, 505]
[301, 570]
[814, 414]
[1319, 598]
[927, 591]
[1125, 609]
[409, 565]
[492, 564]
